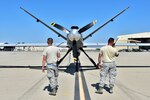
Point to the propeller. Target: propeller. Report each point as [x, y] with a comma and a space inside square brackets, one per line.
[87, 26]
[60, 27]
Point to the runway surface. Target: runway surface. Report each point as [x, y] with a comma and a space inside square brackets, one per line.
[32, 84]
[18, 81]
[23, 58]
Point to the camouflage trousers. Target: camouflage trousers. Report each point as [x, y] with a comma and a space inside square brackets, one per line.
[108, 69]
[52, 74]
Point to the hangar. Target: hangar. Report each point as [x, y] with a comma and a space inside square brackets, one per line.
[135, 38]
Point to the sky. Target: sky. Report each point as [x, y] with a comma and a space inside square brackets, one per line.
[18, 26]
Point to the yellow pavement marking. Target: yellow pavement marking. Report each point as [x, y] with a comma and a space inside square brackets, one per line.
[82, 96]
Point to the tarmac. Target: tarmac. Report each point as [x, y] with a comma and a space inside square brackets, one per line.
[20, 81]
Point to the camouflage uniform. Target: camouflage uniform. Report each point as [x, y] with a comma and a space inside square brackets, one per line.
[108, 68]
[52, 74]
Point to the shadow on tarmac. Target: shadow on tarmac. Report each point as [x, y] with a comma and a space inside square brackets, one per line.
[70, 69]
[96, 86]
[48, 88]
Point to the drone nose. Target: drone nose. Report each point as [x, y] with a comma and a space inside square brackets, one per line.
[75, 37]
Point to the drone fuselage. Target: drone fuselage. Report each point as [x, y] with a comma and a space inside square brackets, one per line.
[74, 36]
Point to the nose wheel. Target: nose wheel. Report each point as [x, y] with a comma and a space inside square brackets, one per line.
[77, 64]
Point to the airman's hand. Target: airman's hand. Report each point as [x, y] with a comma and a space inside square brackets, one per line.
[43, 70]
[99, 65]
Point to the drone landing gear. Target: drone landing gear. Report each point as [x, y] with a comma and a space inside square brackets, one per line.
[88, 57]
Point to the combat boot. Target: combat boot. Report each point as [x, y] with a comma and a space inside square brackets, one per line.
[111, 90]
[53, 92]
[106, 85]
[100, 90]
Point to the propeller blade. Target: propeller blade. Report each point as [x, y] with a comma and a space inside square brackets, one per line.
[87, 26]
[60, 27]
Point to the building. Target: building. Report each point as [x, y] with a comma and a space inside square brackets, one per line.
[135, 38]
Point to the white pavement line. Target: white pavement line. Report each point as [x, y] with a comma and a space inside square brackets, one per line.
[29, 92]
[82, 95]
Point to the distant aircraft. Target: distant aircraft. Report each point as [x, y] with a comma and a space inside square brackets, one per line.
[6, 48]
[74, 37]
